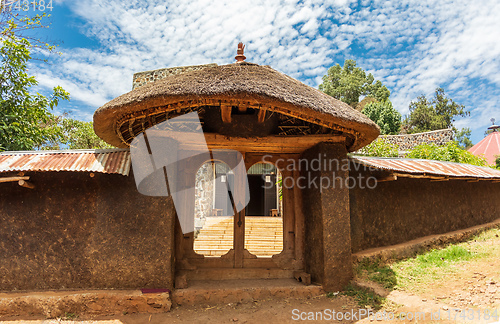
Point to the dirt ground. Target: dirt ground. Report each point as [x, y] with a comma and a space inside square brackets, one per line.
[267, 311]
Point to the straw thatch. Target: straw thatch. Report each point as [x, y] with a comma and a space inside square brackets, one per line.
[239, 83]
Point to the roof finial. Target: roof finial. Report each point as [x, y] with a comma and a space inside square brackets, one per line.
[493, 127]
[240, 57]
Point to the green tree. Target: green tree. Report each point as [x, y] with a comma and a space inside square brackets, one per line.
[428, 115]
[450, 152]
[381, 148]
[74, 134]
[385, 116]
[22, 113]
[497, 162]
[462, 137]
[17, 22]
[351, 82]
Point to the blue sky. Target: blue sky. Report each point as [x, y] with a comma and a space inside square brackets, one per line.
[411, 46]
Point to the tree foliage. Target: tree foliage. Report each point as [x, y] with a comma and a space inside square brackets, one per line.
[428, 115]
[22, 113]
[381, 148]
[450, 152]
[73, 134]
[348, 83]
[12, 22]
[385, 116]
[462, 137]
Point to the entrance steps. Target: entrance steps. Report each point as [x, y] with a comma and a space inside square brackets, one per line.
[263, 236]
[213, 292]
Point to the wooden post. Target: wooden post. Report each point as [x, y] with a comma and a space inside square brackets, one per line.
[25, 184]
[239, 228]
[299, 219]
[288, 211]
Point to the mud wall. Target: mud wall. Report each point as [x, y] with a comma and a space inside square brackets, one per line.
[406, 209]
[75, 231]
[327, 226]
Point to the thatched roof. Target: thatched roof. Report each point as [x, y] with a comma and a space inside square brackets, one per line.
[238, 83]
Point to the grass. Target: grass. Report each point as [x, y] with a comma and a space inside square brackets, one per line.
[364, 297]
[430, 266]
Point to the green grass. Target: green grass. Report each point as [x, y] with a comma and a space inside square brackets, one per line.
[431, 265]
[378, 272]
[363, 297]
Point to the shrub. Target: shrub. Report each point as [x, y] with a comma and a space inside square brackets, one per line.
[449, 152]
[381, 148]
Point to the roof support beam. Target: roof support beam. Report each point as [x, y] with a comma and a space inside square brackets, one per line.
[262, 114]
[225, 113]
[390, 177]
[12, 179]
[26, 184]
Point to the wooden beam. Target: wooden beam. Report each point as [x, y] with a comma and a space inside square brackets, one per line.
[266, 144]
[262, 115]
[391, 177]
[225, 113]
[25, 184]
[441, 179]
[12, 179]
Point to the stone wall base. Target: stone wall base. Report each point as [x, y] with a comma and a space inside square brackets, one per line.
[82, 303]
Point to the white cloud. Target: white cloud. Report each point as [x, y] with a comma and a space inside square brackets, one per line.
[413, 46]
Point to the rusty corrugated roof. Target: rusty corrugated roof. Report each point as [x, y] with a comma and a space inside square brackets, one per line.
[116, 161]
[428, 168]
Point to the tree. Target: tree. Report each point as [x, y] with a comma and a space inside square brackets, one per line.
[74, 134]
[351, 82]
[462, 137]
[385, 116]
[12, 22]
[449, 152]
[438, 113]
[22, 113]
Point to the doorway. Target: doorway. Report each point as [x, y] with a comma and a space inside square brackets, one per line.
[261, 238]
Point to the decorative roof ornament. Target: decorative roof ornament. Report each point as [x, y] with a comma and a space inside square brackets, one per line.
[493, 127]
[240, 57]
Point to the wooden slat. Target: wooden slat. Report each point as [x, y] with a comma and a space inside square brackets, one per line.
[225, 113]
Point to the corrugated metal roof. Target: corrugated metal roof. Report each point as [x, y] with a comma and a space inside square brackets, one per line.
[428, 168]
[116, 161]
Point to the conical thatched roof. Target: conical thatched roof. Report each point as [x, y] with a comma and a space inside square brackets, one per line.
[239, 84]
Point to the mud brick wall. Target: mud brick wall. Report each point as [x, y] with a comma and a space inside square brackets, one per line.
[142, 78]
[74, 231]
[402, 210]
[327, 223]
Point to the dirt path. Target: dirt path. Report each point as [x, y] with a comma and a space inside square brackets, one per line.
[266, 312]
[469, 295]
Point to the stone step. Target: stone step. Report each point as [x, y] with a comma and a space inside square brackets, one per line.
[213, 292]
